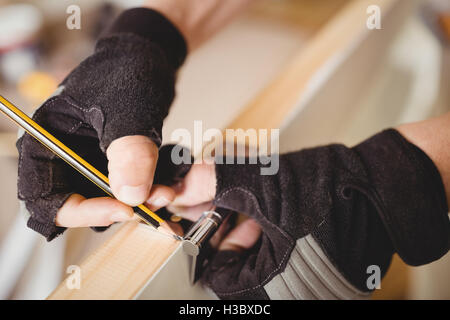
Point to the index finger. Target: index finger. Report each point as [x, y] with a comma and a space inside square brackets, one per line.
[77, 211]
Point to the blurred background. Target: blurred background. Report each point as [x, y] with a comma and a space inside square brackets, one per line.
[411, 82]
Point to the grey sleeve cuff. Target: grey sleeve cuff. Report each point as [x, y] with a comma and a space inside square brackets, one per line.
[310, 275]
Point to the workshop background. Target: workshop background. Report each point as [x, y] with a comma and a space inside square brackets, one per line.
[37, 51]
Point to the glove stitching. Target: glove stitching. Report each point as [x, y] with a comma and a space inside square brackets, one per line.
[256, 203]
[157, 136]
[73, 129]
[153, 130]
[37, 112]
[19, 169]
[50, 102]
[257, 206]
[84, 110]
[262, 282]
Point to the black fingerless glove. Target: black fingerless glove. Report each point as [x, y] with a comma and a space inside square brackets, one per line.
[124, 88]
[327, 215]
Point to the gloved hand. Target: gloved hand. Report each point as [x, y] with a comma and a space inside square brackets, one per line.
[327, 216]
[109, 110]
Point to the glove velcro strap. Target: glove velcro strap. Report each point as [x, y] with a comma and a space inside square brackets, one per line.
[411, 196]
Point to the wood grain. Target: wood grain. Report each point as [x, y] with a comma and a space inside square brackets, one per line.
[122, 266]
[306, 15]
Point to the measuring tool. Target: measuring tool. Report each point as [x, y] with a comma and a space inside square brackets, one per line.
[196, 238]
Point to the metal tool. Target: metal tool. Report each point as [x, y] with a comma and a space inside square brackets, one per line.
[196, 240]
[68, 155]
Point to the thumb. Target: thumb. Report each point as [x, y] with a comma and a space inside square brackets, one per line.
[131, 165]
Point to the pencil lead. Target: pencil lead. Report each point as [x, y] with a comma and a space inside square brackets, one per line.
[165, 228]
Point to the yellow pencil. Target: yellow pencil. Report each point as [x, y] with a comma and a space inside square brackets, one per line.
[68, 155]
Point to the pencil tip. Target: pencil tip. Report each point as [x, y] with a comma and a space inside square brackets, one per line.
[166, 229]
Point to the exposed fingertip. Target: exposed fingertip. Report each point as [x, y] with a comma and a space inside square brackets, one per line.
[133, 195]
[160, 196]
[158, 202]
[121, 216]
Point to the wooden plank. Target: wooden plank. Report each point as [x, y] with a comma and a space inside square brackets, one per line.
[275, 104]
[122, 266]
[330, 110]
[306, 15]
